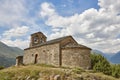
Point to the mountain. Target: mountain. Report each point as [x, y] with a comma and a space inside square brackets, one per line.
[8, 54]
[115, 58]
[106, 55]
[111, 57]
[98, 52]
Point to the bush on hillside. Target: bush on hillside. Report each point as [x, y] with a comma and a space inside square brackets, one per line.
[100, 64]
[1, 67]
[115, 70]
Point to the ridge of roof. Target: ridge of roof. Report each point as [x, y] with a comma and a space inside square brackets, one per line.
[57, 40]
[38, 33]
[51, 41]
[76, 46]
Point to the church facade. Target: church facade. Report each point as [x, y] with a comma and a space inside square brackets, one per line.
[64, 51]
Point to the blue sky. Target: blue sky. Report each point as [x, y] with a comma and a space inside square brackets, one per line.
[94, 23]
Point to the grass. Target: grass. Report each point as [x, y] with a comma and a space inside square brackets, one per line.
[41, 70]
[22, 72]
[98, 76]
[78, 70]
[1, 67]
[45, 65]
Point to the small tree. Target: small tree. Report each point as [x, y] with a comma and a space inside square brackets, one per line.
[1, 67]
[115, 71]
[100, 64]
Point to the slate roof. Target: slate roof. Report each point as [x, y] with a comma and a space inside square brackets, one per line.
[76, 46]
[57, 41]
[38, 33]
[50, 42]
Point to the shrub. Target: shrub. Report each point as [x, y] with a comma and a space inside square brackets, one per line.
[1, 67]
[115, 70]
[78, 70]
[100, 64]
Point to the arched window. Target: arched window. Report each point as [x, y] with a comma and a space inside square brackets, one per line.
[36, 58]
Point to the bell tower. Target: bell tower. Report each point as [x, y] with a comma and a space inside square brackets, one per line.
[37, 38]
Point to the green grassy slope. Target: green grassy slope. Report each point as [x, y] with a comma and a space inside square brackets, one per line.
[43, 72]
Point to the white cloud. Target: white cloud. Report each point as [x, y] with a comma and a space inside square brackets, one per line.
[13, 36]
[11, 12]
[16, 43]
[91, 35]
[97, 29]
[16, 20]
[110, 6]
[16, 32]
[47, 10]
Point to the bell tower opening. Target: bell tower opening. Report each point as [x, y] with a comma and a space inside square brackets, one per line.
[37, 38]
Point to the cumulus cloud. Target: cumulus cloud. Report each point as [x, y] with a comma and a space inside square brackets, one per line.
[110, 6]
[16, 32]
[98, 29]
[16, 22]
[16, 43]
[47, 10]
[11, 12]
[13, 36]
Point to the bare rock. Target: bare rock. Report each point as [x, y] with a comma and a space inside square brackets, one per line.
[41, 79]
[57, 77]
[28, 78]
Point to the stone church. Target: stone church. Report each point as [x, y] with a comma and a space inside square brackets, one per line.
[63, 51]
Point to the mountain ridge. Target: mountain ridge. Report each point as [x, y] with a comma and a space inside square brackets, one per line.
[8, 54]
[113, 58]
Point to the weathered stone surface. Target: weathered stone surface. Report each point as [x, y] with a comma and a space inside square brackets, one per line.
[28, 78]
[19, 61]
[57, 77]
[36, 38]
[75, 57]
[48, 54]
[64, 52]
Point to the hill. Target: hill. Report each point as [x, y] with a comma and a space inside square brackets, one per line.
[8, 54]
[115, 58]
[111, 57]
[47, 72]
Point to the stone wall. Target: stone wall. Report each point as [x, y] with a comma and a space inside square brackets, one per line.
[19, 60]
[76, 57]
[37, 38]
[48, 54]
[67, 41]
